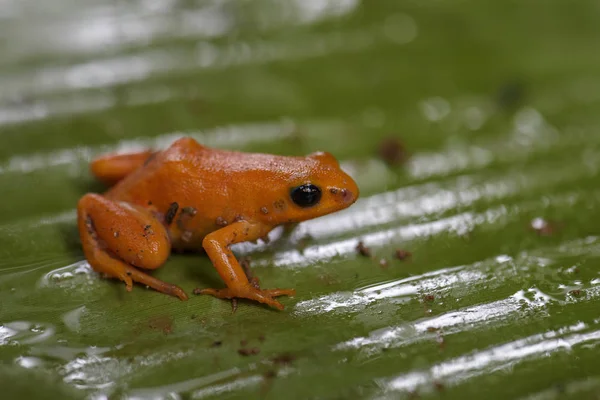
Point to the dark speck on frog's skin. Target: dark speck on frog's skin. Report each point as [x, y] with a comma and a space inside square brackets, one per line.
[220, 221]
[171, 212]
[279, 205]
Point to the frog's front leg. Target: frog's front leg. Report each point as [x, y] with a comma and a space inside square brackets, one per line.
[217, 245]
[117, 237]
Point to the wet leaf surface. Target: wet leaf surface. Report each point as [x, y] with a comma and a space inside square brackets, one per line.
[470, 127]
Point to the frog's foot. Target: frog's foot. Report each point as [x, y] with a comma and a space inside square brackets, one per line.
[265, 296]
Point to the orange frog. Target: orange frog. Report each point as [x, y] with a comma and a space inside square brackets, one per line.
[190, 196]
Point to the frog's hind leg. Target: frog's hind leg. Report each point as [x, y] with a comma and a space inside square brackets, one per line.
[111, 168]
[117, 238]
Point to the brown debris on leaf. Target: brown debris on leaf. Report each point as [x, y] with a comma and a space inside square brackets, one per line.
[544, 227]
[392, 151]
[248, 351]
[284, 359]
[363, 250]
[402, 254]
[197, 291]
[162, 324]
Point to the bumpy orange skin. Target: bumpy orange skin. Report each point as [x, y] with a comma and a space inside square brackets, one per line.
[190, 197]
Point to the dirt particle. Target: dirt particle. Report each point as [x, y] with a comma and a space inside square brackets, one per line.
[245, 264]
[162, 323]
[171, 212]
[189, 211]
[402, 254]
[194, 316]
[248, 351]
[383, 263]
[186, 236]
[220, 221]
[575, 292]
[243, 342]
[429, 297]
[439, 386]
[363, 250]
[333, 190]
[185, 215]
[441, 341]
[510, 95]
[329, 279]
[264, 210]
[116, 234]
[270, 374]
[279, 205]
[543, 227]
[89, 224]
[432, 329]
[147, 231]
[216, 343]
[261, 338]
[238, 218]
[392, 151]
[284, 359]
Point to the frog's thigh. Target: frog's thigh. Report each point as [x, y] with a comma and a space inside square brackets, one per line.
[117, 237]
[111, 168]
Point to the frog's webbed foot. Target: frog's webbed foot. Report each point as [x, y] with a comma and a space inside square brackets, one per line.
[265, 296]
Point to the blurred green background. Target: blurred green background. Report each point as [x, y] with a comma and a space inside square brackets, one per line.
[496, 105]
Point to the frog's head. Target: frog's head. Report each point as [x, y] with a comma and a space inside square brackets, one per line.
[320, 188]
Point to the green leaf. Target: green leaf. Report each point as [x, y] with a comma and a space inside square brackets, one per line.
[490, 109]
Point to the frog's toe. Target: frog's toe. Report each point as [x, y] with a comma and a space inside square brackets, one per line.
[251, 293]
[280, 292]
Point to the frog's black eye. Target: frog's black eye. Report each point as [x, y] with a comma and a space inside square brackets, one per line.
[306, 195]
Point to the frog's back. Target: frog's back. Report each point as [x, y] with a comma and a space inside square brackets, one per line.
[189, 172]
[159, 172]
